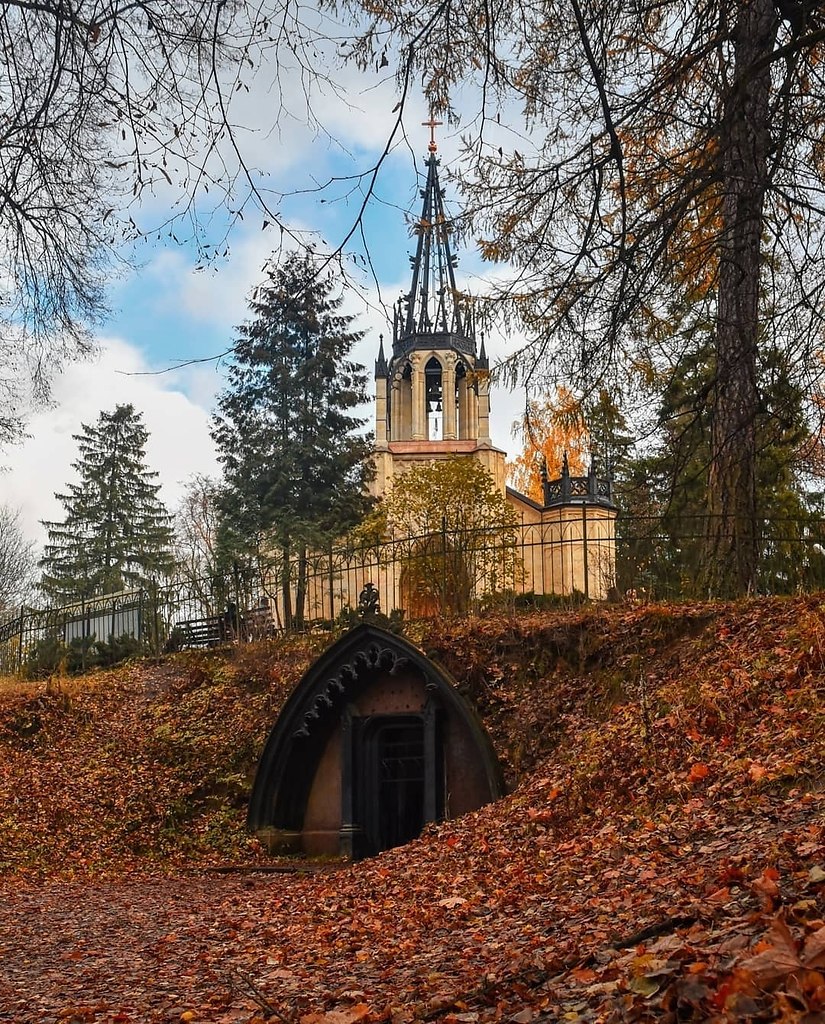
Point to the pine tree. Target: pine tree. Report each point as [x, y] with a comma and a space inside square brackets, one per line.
[295, 464]
[116, 534]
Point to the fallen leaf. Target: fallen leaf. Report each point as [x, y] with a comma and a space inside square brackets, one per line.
[644, 986]
[452, 901]
[778, 960]
[813, 952]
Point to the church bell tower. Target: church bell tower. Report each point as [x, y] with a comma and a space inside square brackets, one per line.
[432, 396]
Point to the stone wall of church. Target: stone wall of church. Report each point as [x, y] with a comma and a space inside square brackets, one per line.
[566, 549]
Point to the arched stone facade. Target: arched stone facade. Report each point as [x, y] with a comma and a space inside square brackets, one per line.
[374, 742]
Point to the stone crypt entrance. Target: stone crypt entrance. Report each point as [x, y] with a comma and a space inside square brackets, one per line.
[399, 765]
[373, 744]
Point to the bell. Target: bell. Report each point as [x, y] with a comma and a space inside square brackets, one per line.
[438, 406]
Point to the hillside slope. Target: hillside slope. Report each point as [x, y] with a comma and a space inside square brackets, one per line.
[661, 856]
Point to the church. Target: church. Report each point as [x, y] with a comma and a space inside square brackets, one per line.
[432, 401]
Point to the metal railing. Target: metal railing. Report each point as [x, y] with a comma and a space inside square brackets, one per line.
[444, 573]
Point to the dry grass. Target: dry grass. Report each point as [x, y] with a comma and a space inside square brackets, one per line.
[14, 686]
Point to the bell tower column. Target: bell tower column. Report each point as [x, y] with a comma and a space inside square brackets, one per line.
[381, 412]
[471, 403]
[419, 396]
[449, 360]
[483, 407]
[395, 409]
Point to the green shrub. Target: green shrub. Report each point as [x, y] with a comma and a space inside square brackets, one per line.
[46, 657]
[80, 654]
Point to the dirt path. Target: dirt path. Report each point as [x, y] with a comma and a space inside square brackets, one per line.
[136, 951]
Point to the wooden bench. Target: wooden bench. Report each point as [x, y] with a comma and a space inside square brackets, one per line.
[258, 624]
[206, 632]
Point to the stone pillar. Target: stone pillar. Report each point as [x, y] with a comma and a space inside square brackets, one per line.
[448, 396]
[483, 407]
[381, 411]
[395, 409]
[347, 842]
[463, 408]
[419, 396]
[472, 418]
[405, 412]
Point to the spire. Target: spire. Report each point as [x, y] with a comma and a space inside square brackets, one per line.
[381, 368]
[482, 363]
[432, 306]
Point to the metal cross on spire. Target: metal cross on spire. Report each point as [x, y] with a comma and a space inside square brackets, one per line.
[432, 124]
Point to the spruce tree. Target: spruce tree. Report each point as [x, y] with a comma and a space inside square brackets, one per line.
[116, 534]
[295, 461]
[663, 492]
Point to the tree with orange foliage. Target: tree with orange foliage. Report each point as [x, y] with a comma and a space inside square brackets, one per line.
[549, 429]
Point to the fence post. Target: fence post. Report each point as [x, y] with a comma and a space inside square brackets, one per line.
[20, 641]
[586, 553]
[84, 634]
[331, 586]
[235, 626]
[155, 620]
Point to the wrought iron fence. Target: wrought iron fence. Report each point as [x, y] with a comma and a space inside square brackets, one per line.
[530, 565]
[663, 559]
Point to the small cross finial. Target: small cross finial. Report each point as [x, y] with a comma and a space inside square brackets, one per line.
[432, 124]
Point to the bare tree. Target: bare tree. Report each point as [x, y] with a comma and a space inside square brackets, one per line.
[196, 536]
[103, 104]
[17, 561]
[667, 149]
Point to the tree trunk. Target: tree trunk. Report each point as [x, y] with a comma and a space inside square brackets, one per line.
[286, 586]
[731, 554]
[301, 587]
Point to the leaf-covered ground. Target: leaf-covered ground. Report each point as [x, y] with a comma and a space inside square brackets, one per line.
[661, 856]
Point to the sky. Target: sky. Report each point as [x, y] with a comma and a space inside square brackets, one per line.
[170, 309]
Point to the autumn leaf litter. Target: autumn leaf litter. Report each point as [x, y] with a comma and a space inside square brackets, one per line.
[662, 855]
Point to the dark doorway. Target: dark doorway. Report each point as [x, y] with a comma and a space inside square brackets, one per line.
[393, 778]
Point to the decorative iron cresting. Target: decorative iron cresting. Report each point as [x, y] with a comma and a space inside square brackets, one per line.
[568, 489]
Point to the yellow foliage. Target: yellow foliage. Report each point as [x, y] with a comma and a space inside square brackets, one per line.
[692, 246]
[549, 429]
[455, 532]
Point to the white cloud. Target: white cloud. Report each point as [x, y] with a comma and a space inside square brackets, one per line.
[218, 294]
[293, 129]
[176, 405]
[179, 443]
